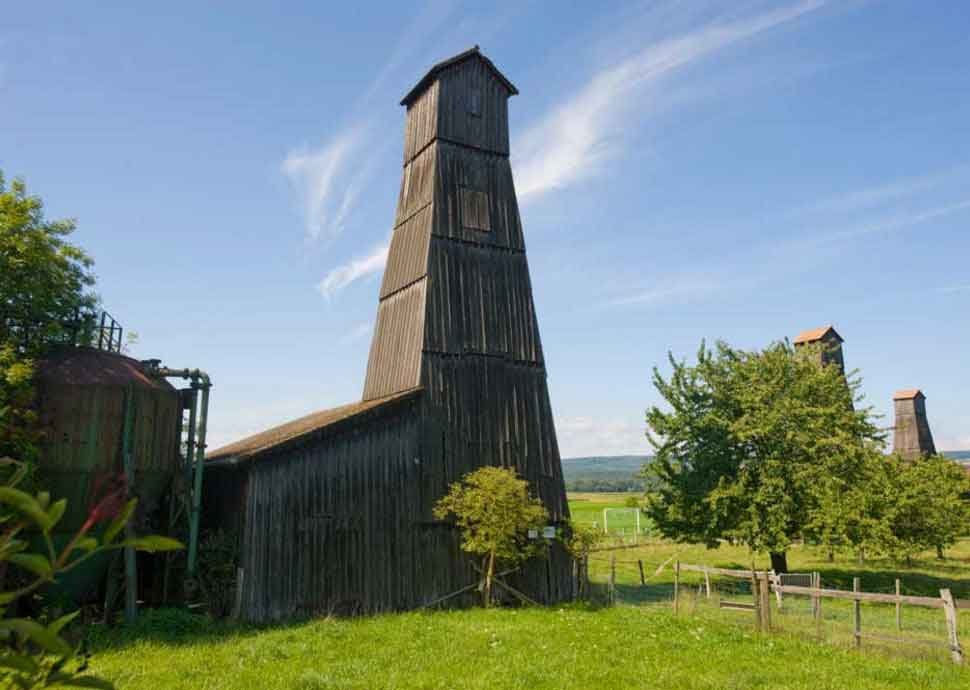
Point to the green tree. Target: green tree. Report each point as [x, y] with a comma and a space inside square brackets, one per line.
[46, 297]
[929, 505]
[494, 510]
[747, 442]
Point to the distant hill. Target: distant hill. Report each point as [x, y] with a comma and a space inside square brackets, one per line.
[604, 473]
[620, 472]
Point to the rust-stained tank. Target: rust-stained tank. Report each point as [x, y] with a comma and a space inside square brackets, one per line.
[82, 396]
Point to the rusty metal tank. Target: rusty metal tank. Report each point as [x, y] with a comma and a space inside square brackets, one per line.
[82, 394]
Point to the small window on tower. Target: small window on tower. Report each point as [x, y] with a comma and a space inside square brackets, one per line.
[474, 105]
[474, 209]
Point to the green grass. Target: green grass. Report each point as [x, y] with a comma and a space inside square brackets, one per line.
[571, 647]
[638, 644]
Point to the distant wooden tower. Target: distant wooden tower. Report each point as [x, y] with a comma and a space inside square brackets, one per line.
[335, 509]
[911, 433]
[829, 340]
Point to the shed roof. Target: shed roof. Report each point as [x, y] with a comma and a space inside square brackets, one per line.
[426, 80]
[330, 419]
[908, 394]
[816, 334]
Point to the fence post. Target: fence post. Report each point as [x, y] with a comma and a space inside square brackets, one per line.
[643, 580]
[766, 603]
[612, 579]
[676, 585]
[857, 606]
[756, 596]
[817, 603]
[950, 611]
[707, 581]
[899, 607]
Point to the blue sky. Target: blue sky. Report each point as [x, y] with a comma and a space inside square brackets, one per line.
[686, 171]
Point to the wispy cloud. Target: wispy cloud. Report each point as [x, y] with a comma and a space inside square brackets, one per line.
[879, 195]
[356, 269]
[582, 134]
[895, 222]
[677, 291]
[320, 177]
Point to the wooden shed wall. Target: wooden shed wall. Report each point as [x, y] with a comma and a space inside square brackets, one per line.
[344, 524]
[331, 525]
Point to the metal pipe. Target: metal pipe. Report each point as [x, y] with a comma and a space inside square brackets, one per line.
[197, 483]
[200, 380]
[131, 571]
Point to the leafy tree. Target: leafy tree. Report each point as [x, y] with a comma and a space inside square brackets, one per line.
[494, 510]
[749, 444]
[32, 654]
[45, 295]
[44, 279]
[929, 507]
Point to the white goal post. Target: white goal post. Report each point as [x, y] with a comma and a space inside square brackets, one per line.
[606, 526]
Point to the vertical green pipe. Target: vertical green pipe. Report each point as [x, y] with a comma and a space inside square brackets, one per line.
[131, 572]
[190, 437]
[197, 483]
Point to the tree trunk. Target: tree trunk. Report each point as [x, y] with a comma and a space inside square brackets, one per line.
[489, 572]
[831, 555]
[779, 562]
[939, 552]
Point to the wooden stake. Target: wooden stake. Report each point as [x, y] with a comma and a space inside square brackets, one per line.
[756, 596]
[950, 611]
[899, 608]
[676, 584]
[766, 603]
[817, 603]
[643, 580]
[612, 579]
[857, 606]
[707, 581]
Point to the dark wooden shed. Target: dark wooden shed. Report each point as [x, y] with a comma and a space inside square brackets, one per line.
[335, 509]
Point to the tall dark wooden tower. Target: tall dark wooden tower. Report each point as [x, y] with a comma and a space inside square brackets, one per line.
[912, 437]
[335, 509]
[456, 315]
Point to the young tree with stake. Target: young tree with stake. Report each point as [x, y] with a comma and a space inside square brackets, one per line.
[494, 510]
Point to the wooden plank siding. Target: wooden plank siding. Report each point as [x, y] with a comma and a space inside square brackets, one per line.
[330, 525]
[458, 245]
[394, 364]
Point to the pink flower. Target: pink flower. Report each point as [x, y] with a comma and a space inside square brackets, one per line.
[107, 498]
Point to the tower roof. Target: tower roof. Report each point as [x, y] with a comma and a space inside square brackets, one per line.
[469, 54]
[908, 394]
[816, 334]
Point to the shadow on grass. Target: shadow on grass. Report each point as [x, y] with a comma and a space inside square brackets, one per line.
[173, 627]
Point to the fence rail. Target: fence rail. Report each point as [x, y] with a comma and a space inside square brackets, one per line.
[763, 583]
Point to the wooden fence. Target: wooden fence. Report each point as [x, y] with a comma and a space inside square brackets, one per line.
[763, 583]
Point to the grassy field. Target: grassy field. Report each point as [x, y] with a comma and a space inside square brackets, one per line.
[557, 648]
[923, 628]
[587, 509]
[639, 643]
